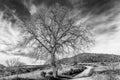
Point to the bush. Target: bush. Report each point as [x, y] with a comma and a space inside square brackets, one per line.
[50, 73]
[73, 72]
[43, 74]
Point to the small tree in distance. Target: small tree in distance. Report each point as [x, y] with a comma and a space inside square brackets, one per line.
[53, 31]
[14, 62]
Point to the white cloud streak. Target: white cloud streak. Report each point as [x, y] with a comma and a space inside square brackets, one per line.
[107, 41]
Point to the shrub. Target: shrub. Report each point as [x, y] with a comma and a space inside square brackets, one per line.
[50, 73]
[73, 72]
[43, 74]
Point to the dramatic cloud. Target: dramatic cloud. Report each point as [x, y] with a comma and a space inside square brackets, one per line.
[103, 17]
[16, 5]
[96, 7]
[52, 2]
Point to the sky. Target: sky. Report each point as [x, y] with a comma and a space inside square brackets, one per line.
[104, 20]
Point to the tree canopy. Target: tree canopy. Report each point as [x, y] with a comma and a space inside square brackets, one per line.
[53, 31]
[54, 28]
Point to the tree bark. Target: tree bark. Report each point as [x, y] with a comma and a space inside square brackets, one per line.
[53, 63]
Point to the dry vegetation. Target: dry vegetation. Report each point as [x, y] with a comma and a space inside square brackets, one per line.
[109, 72]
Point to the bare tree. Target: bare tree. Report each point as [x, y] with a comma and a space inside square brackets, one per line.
[53, 31]
[14, 62]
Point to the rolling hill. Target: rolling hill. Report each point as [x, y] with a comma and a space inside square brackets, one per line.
[91, 58]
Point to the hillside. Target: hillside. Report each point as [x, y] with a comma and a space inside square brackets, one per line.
[90, 58]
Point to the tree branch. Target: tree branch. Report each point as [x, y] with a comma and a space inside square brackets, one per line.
[39, 41]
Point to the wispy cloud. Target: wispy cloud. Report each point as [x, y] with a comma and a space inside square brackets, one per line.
[8, 36]
[104, 20]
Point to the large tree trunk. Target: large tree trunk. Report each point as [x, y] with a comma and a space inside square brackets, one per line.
[54, 66]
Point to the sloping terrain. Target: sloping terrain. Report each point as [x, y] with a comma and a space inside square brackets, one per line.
[80, 58]
[33, 71]
[85, 75]
[90, 58]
